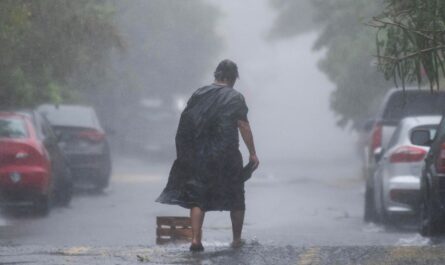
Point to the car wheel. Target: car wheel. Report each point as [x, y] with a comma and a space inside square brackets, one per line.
[64, 191]
[383, 216]
[370, 214]
[429, 223]
[42, 204]
[103, 181]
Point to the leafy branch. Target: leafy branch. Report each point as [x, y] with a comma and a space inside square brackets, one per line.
[410, 41]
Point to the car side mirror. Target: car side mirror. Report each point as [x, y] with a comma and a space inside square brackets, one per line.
[378, 153]
[421, 137]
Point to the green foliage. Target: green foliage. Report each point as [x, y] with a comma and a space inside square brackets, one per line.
[42, 43]
[411, 41]
[107, 53]
[349, 62]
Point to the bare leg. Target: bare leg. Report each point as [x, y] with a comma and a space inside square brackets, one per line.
[237, 226]
[197, 218]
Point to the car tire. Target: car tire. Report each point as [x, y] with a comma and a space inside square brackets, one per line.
[42, 204]
[382, 215]
[64, 192]
[429, 222]
[370, 214]
[102, 181]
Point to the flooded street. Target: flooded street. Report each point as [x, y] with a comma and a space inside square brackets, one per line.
[304, 205]
[305, 217]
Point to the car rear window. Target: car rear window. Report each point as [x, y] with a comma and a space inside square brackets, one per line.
[414, 103]
[71, 116]
[432, 128]
[13, 128]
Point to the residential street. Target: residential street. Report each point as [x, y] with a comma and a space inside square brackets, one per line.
[308, 216]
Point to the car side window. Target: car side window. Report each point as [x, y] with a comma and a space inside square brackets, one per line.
[433, 132]
[441, 129]
[47, 130]
[38, 127]
[438, 138]
[44, 127]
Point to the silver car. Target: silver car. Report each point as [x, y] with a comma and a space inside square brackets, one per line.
[397, 176]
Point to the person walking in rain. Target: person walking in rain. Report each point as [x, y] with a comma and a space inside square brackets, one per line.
[207, 174]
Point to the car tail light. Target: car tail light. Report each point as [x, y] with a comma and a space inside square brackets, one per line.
[92, 135]
[407, 154]
[440, 164]
[376, 137]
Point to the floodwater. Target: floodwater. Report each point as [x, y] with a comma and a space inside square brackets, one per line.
[304, 204]
[291, 216]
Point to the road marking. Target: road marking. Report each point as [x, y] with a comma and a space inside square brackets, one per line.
[75, 251]
[403, 255]
[310, 257]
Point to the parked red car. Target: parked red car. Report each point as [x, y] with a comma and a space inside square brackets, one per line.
[32, 167]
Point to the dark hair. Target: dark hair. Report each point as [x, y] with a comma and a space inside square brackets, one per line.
[226, 70]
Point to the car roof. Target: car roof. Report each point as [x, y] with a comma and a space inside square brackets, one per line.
[20, 113]
[413, 89]
[415, 121]
[399, 103]
[70, 115]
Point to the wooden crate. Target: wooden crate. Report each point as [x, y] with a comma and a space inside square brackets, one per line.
[173, 228]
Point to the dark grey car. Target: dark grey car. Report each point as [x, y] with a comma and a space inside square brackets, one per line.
[432, 182]
[83, 140]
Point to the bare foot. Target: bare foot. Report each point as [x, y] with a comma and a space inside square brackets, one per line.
[196, 247]
[237, 243]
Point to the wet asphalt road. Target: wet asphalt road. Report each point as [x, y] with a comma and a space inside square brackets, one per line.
[297, 213]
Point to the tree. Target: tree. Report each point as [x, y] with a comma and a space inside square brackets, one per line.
[349, 60]
[411, 41]
[43, 43]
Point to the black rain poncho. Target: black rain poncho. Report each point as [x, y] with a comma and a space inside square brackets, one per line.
[207, 170]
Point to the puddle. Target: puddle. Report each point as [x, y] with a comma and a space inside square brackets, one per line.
[373, 228]
[416, 240]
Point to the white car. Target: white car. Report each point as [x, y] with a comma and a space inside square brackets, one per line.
[397, 177]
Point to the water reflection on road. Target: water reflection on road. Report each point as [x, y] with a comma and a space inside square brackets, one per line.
[307, 209]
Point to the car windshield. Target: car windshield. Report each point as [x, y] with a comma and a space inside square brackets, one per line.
[12, 128]
[414, 103]
[71, 116]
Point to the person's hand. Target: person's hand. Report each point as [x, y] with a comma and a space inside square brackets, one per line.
[254, 159]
